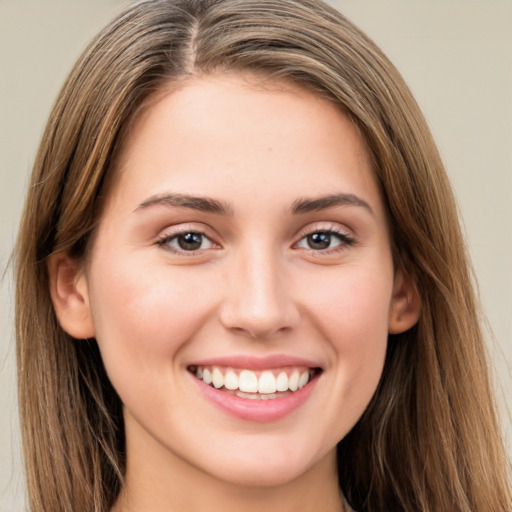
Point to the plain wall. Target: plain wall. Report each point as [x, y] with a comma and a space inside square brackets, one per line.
[455, 55]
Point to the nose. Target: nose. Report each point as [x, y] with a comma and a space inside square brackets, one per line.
[258, 300]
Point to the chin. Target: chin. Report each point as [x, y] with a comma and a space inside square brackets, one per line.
[269, 468]
[261, 475]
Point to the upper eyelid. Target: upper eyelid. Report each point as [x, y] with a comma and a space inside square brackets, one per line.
[214, 237]
[179, 229]
[171, 232]
[348, 238]
[325, 226]
[174, 234]
[163, 241]
[336, 229]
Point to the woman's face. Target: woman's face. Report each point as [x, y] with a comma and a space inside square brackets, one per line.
[243, 242]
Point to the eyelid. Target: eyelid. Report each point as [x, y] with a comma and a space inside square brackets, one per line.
[333, 227]
[182, 229]
[346, 235]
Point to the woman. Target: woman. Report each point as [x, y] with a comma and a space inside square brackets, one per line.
[247, 278]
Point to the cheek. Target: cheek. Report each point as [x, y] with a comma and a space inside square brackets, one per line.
[352, 313]
[353, 305]
[143, 318]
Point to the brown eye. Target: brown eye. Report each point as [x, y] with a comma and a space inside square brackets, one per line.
[325, 241]
[186, 242]
[320, 240]
[190, 241]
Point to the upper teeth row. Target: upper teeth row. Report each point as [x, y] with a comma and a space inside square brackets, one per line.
[249, 382]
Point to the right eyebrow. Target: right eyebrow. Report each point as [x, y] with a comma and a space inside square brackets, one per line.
[203, 204]
[306, 205]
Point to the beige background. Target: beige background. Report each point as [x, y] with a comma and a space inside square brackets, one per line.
[457, 58]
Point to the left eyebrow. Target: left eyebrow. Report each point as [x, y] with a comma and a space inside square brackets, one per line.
[204, 204]
[307, 205]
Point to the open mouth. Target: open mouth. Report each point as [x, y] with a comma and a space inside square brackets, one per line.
[255, 385]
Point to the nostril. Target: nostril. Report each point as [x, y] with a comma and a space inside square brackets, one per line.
[259, 323]
[258, 332]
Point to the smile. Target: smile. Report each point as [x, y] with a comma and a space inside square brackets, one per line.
[263, 385]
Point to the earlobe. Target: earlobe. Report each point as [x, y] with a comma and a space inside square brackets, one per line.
[70, 295]
[405, 306]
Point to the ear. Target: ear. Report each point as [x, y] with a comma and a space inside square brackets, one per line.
[70, 295]
[405, 304]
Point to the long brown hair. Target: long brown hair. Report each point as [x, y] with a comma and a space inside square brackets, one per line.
[429, 440]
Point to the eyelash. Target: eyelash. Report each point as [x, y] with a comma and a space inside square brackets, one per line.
[165, 240]
[345, 241]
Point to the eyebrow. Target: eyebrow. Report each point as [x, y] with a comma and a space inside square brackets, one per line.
[210, 205]
[307, 205]
[203, 204]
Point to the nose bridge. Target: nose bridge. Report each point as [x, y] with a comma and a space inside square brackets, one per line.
[257, 300]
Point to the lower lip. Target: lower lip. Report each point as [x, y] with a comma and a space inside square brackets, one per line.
[257, 410]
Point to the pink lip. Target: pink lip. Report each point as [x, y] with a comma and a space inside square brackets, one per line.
[256, 363]
[256, 410]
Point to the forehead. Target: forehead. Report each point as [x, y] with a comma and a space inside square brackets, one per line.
[225, 133]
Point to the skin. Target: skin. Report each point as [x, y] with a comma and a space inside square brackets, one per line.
[254, 287]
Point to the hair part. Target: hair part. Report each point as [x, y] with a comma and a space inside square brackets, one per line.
[429, 440]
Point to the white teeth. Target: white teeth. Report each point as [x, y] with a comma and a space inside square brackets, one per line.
[303, 379]
[217, 378]
[207, 376]
[282, 382]
[293, 381]
[248, 382]
[231, 380]
[267, 383]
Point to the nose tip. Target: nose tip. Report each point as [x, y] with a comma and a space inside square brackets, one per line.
[256, 323]
[258, 302]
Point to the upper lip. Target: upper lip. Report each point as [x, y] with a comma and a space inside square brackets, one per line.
[257, 363]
